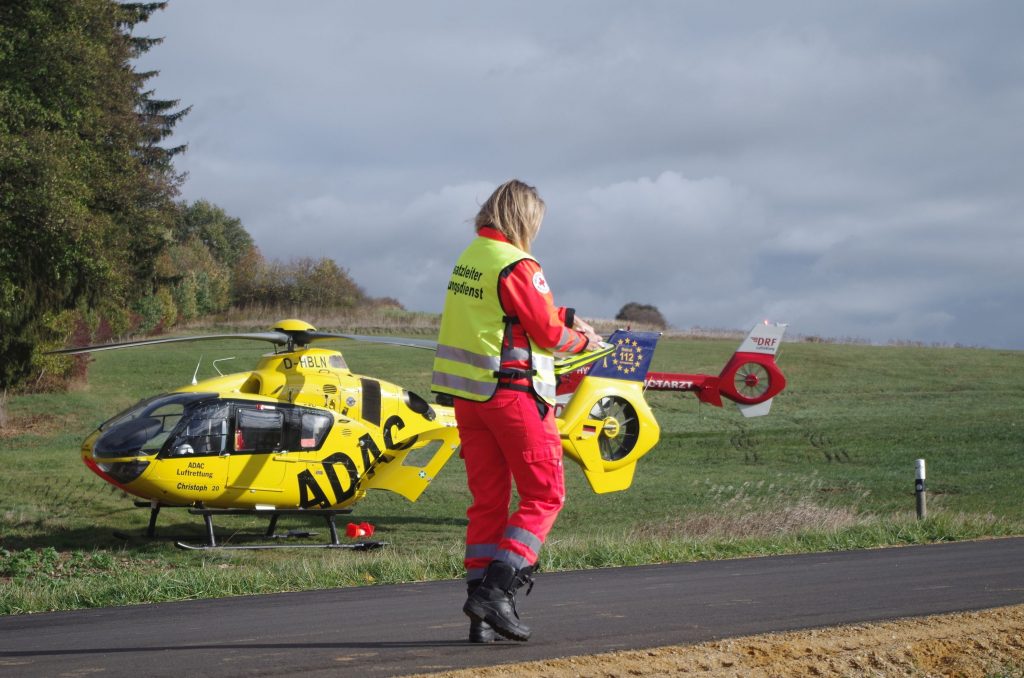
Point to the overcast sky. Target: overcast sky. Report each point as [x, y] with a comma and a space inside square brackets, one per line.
[851, 168]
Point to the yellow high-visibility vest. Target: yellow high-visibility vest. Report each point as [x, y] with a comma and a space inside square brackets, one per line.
[469, 350]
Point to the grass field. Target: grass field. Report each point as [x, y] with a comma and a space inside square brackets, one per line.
[831, 468]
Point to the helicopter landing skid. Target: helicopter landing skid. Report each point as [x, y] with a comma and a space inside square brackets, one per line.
[274, 514]
[358, 546]
[328, 514]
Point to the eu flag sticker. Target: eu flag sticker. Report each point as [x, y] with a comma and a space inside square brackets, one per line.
[631, 358]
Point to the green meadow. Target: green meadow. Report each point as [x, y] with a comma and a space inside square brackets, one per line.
[832, 467]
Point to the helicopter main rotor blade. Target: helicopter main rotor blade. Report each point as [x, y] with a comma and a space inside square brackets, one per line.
[276, 338]
[395, 341]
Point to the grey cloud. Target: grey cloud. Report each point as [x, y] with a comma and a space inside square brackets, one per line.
[848, 167]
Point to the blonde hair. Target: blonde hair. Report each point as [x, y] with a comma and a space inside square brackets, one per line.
[515, 210]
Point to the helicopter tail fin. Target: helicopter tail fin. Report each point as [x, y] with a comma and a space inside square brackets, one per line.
[751, 379]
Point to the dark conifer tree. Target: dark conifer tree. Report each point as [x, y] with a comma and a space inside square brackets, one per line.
[86, 190]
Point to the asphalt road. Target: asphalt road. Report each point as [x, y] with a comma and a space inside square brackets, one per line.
[396, 630]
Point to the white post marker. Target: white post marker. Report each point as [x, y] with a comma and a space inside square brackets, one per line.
[919, 490]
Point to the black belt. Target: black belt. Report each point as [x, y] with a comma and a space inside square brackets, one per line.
[508, 385]
[513, 379]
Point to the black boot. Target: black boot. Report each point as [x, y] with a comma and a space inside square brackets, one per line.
[479, 631]
[494, 601]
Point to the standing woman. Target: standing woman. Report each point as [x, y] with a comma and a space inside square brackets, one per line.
[499, 330]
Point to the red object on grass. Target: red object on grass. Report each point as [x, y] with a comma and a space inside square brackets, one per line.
[360, 530]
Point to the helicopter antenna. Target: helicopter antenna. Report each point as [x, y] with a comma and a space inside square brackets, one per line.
[196, 373]
[219, 360]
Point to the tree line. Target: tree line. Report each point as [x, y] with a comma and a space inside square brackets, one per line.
[94, 241]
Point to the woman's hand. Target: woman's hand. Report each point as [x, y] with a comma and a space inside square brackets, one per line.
[593, 338]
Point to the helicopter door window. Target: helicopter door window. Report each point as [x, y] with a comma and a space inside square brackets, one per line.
[258, 430]
[314, 430]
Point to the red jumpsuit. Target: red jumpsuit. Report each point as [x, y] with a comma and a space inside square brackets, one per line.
[513, 435]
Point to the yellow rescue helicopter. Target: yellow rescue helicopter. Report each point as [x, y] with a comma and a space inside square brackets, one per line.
[302, 434]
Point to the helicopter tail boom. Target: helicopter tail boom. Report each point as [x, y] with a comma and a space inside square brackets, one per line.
[751, 378]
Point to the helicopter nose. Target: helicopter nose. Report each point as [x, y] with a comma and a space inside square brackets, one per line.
[115, 454]
[123, 472]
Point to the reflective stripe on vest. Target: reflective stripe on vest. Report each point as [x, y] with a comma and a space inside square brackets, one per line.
[470, 351]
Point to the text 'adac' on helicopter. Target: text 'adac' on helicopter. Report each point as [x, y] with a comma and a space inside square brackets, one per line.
[301, 433]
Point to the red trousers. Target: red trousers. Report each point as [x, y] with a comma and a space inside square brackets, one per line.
[505, 439]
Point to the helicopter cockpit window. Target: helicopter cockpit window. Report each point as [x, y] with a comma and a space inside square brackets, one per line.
[143, 429]
[145, 408]
[204, 431]
[258, 430]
